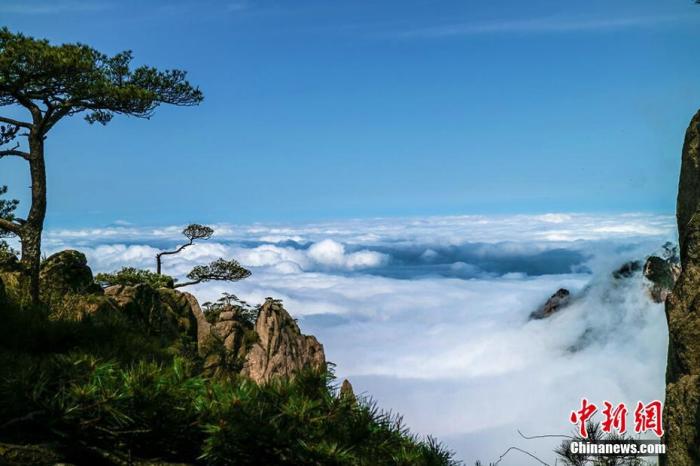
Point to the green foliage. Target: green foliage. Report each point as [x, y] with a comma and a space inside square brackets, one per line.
[196, 231]
[220, 269]
[228, 302]
[168, 412]
[131, 276]
[8, 256]
[41, 332]
[302, 421]
[7, 207]
[192, 232]
[7, 210]
[596, 434]
[671, 253]
[105, 392]
[75, 78]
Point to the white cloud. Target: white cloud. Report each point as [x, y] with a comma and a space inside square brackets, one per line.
[440, 331]
[332, 253]
[430, 230]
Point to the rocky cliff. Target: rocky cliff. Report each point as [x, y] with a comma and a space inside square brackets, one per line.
[661, 274]
[261, 349]
[682, 409]
[137, 375]
[272, 346]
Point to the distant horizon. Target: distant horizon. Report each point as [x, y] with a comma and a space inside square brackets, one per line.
[301, 222]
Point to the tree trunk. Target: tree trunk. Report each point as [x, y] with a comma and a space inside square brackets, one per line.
[31, 231]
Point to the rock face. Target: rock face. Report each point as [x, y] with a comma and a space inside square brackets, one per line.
[627, 270]
[261, 348]
[3, 293]
[682, 409]
[281, 349]
[224, 343]
[163, 312]
[663, 274]
[63, 273]
[273, 347]
[347, 393]
[557, 301]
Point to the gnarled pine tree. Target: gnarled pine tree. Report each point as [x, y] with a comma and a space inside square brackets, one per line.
[52, 82]
[192, 232]
[220, 269]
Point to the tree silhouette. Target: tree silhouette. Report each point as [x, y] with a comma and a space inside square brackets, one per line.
[192, 232]
[52, 82]
[220, 269]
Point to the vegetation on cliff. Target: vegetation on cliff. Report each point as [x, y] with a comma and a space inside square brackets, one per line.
[682, 408]
[117, 377]
[49, 83]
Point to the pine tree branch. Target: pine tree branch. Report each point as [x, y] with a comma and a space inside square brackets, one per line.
[12, 227]
[14, 152]
[14, 122]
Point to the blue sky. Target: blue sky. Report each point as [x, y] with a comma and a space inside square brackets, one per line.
[319, 110]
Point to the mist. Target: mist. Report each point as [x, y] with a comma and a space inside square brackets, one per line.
[430, 317]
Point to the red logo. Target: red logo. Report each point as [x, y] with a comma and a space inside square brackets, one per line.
[646, 417]
[649, 417]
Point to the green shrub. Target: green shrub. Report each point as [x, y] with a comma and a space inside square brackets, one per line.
[105, 393]
[245, 313]
[8, 257]
[131, 276]
[153, 410]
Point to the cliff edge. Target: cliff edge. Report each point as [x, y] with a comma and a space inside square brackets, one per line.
[682, 409]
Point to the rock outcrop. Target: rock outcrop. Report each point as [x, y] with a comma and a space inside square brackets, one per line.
[164, 312]
[557, 301]
[16, 285]
[347, 393]
[230, 341]
[272, 347]
[66, 272]
[627, 270]
[682, 408]
[663, 274]
[281, 349]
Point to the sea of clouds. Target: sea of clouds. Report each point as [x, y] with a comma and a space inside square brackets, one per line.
[429, 316]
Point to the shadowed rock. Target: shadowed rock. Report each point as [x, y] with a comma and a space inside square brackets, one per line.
[682, 409]
[164, 312]
[346, 392]
[627, 270]
[66, 272]
[557, 301]
[662, 273]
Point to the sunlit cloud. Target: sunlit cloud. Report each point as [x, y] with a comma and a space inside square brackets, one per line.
[430, 315]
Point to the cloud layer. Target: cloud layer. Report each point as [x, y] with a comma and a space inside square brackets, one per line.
[430, 316]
